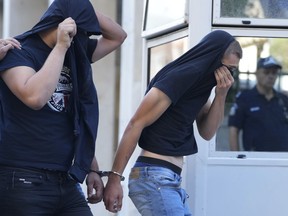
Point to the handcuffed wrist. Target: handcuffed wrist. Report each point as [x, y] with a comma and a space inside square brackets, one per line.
[107, 173]
[122, 178]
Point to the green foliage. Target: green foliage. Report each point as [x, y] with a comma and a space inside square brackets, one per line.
[279, 49]
[233, 8]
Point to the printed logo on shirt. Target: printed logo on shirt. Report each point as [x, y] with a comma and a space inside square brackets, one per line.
[254, 109]
[60, 98]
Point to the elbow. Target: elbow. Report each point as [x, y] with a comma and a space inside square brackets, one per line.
[35, 103]
[117, 39]
[206, 135]
[122, 37]
[36, 107]
[136, 124]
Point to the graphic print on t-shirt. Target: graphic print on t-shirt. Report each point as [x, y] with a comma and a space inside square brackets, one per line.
[59, 99]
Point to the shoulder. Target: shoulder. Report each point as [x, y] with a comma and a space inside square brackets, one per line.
[14, 58]
[30, 55]
[283, 96]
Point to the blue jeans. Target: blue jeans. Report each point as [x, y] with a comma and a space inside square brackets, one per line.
[40, 193]
[156, 191]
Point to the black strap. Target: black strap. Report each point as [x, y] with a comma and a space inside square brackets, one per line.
[161, 163]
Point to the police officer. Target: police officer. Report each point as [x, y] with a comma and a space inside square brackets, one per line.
[261, 113]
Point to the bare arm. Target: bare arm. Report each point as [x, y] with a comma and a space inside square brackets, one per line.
[151, 108]
[210, 116]
[112, 37]
[35, 89]
[234, 138]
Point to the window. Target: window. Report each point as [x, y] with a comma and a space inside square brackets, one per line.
[269, 13]
[254, 47]
[161, 50]
[165, 34]
[161, 55]
[162, 16]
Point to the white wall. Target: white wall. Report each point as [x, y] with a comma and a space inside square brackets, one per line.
[247, 190]
[21, 15]
[106, 75]
[130, 83]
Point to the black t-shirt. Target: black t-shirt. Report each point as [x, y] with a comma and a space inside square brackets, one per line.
[37, 138]
[188, 82]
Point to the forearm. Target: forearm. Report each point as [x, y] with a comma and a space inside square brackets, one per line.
[112, 37]
[150, 109]
[42, 84]
[210, 121]
[126, 148]
[35, 88]
[110, 29]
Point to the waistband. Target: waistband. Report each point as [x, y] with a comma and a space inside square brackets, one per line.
[159, 162]
[46, 172]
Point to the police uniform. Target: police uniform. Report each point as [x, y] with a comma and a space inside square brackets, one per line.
[264, 123]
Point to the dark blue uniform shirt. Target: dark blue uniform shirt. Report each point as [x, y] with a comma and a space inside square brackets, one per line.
[264, 125]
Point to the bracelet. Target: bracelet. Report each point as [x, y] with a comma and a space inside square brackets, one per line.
[107, 173]
[122, 178]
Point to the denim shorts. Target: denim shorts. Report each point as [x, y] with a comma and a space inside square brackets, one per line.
[26, 192]
[156, 191]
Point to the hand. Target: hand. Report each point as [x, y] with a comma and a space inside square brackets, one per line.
[94, 183]
[113, 194]
[224, 80]
[6, 45]
[66, 31]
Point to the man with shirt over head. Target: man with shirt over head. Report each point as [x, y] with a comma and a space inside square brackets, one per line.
[163, 124]
[50, 107]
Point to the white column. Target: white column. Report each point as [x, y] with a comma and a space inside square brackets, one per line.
[130, 82]
[199, 26]
[6, 18]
